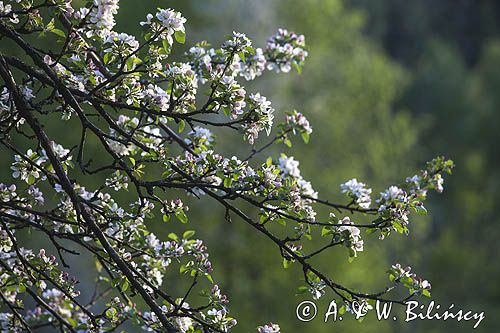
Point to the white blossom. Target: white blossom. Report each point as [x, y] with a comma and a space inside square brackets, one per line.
[121, 43]
[357, 191]
[269, 328]
[285, 49]
[289, 166]
[392, 193]
[27, 92]
[169, 19]
[351, 235]
[103, 15]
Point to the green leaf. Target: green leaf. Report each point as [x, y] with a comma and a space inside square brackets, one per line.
[421, 210]
[82, 326]
[98, 266]
[58, 32]
[51, 25]
[125, 286]
[21, 288]
[305, 137]
[173, 236]
[226, 111]
[130, 63]
[181, 216]
[281, 221]
[110, 313]
[166, 217]
[399, 228]
[188, 234]
[115, 282]
[180, 37]
[242, 56]
[302, 290]
[250, 50]
[72, 322]
[11, 288]
[165, 45]
[370, 231]
[31, 180]
[182, 125]
[297, 67]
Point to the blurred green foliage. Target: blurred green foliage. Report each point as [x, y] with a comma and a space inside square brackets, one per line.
[452, 49]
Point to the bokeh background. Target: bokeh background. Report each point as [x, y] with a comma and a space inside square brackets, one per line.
[388, 85]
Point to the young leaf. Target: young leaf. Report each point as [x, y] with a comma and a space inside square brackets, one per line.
[181, 216]
[188, 234]
[180, 37]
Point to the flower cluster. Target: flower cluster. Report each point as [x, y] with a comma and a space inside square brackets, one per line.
[260, 117]
[5, 103]
[285, 49]
[147, 135]
[205, 61]
[5, 241]
[7, 193]
[237, 43]
[349, 236]
[102, 16]
[231, 96]
[28, 168]
[33, 166]
[121, 44]
[289, 166]
[117, 181]
[166, 23]
[358, 192]
[220, 318]
[269, 328]
[298, 122]
[410, 280]
[396, 203]
[200, 136]
[300, 190]
[171, 20]
[317, 289]
[6, 11]
[253, 65]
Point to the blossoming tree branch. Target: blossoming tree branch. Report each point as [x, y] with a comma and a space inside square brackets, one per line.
[148, 113]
